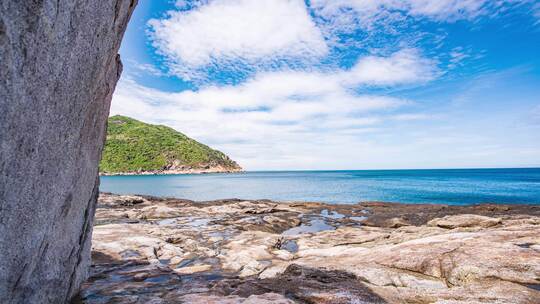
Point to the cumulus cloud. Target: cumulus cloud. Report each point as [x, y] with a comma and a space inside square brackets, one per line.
[440, 10]
[207, 41]
[403, 67]
[536, 12]
[391, 23]
[237, 32]
[302, 109]
[274, 131]
[301, 84]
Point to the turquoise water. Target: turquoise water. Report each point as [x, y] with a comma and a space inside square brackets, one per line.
[459, 186]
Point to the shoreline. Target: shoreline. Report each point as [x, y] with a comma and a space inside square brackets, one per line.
[368, 202]
[416, 213]
[152, 249]
[172, 172]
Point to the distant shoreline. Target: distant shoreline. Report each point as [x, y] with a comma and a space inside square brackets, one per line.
[173, 172]
[204, 171]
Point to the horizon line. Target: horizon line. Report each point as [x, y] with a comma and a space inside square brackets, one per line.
[395, 169]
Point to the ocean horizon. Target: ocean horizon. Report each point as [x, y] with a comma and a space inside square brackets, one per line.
[437, 186]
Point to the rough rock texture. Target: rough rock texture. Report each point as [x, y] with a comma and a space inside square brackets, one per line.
[152, 250]
[58, 69]
[463, 221]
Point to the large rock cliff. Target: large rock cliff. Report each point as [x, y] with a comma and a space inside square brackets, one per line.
[58, 69]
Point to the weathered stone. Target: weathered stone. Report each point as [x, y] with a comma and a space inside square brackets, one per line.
[58, 69]
[178, 260]
[267, 298]
[192, 269]
[464, 221]
[396, 222]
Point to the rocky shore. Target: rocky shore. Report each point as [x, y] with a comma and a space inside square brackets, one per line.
[155, 250]
[187, 170]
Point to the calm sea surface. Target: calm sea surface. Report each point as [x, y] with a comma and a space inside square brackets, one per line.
[460, 186]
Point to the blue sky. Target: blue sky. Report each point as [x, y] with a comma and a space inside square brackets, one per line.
[341, 84]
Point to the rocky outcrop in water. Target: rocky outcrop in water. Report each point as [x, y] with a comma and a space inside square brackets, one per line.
[152, 250]
[58, 69]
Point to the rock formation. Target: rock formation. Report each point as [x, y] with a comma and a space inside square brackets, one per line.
[58, 69]
[150, 250]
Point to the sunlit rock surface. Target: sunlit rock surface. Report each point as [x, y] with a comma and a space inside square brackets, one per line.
[151, 250]
[58, 70]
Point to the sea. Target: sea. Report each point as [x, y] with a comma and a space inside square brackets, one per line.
[440, 186]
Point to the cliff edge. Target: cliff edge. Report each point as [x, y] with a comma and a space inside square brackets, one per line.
[58, 69]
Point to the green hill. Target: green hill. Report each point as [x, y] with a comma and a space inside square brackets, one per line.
[136, 147]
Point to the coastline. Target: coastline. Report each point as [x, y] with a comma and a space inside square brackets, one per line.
[174, 172]
[261, 251]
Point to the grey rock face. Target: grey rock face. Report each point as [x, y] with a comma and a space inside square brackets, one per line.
[58, 69]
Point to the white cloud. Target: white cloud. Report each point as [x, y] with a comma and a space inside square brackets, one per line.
[443, 9]
[294, 108]
[384, 19]
[370, 10]
[411, 117]
[300, 110]
[536, 12]
[403, 67]
[222, 41]
[247, 31]
[276, 131]
[144, 68]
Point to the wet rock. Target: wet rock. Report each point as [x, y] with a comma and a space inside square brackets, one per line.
[267, 298]
[212, 254]
[130, 200]
[192, 269]
[158, 212]
[310, 285]
[420, 214]
[121, 200]
[396, 223]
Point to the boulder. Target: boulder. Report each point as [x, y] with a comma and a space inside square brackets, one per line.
[267, 298]
[58, 69]
[464, 221]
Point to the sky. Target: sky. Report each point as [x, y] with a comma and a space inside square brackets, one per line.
[340, 84]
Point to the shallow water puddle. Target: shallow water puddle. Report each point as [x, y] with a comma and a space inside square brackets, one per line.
[126, 254]
[291, 246]
[533, 286]
[333, 214]
[315, 225]
[166, 222]
[158, 279]
[185, 221]
[251, 220]
[186, 262]
[358, 218]
[202, 222]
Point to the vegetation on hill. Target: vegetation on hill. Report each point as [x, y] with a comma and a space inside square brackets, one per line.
[134, 146]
